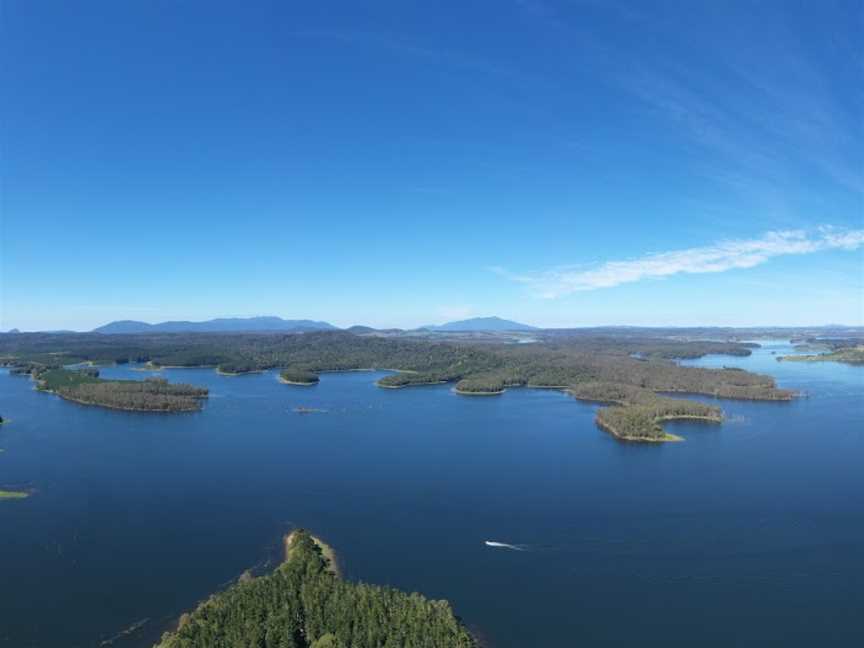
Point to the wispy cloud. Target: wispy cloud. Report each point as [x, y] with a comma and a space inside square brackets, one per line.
[755, 103]
[719, 257]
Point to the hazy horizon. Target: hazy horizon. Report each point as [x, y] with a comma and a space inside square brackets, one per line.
[343, 325]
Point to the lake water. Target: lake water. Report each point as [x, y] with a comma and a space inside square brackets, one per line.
[749, 533]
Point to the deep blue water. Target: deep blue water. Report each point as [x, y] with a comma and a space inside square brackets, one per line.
[749, 533]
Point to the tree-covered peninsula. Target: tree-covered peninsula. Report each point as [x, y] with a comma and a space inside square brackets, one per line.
[304, 604]
[637, 414]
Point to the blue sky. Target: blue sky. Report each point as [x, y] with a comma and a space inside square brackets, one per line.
[401, 163]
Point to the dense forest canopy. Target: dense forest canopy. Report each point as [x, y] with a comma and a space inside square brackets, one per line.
[304, 605]
[322, 350]
[297, 376]
[149, 395]
[636, 413]
[560, 361]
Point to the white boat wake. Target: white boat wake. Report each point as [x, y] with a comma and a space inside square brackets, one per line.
[503, 545]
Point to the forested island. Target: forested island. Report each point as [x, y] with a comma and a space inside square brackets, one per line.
[628, 371]
[305, 604]
[298, 377]
[149, 395]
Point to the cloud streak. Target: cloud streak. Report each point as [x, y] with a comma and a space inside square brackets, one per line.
[719, 257]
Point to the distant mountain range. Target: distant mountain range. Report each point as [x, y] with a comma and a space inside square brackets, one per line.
[481, 324]
[262, 324]
[220, 325]
[477, 324]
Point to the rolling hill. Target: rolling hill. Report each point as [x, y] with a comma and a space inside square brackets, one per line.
[482, 324]
[220, 325]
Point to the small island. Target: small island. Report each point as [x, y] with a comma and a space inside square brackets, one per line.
[84, 386]
[305, 603]
[301, 377]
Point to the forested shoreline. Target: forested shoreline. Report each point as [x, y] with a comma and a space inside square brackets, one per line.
[305, 604]
[846, 350]
[845, 355]
[597, 365]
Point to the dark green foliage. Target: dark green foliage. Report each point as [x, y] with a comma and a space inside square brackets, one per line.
[565, 359]
[481, 385]
[405, 379]
[150, 395]
[63, 379]
[139, 396]
[835, 344]
[630, 423]
[676, 349]
[302, 605]
[28, 368]
[300, 376]
[638, 412]
[608, 392]
[190, 357]
[327, 641]
[238, 367]
[237, 353]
